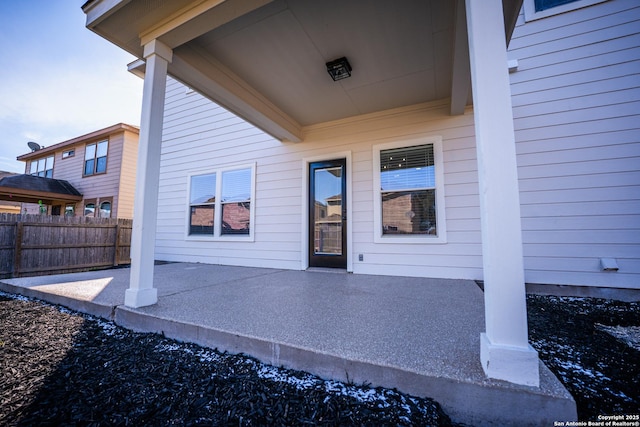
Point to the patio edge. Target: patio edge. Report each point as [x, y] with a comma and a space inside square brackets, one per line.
[466, 402]
[104, 311]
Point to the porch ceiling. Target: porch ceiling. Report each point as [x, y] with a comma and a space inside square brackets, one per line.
[265, 60]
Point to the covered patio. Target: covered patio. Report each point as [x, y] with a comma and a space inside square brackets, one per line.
[266, 61]
[418, 335]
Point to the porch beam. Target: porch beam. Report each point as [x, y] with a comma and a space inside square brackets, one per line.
[461, 77]
[196, 68]
[504, 350]
[143, 236]
[196, 19]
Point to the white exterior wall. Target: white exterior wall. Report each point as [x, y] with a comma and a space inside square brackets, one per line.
[576, 99]
[200, 136]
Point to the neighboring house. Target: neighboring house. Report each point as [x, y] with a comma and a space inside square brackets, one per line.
[101, 166]
[8, 206]
[537, 181]
[29, 189]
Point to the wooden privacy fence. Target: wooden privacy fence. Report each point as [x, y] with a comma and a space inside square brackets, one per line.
[34, 245]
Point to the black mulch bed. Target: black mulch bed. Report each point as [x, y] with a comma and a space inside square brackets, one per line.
[58, 367]
[593, 347]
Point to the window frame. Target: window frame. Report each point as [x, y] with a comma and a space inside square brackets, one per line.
[99, 207]
[530, 13]
[208, 204]
[95, 159]
[441, 236]
[86, 202]
[45, 164]
[217, 219]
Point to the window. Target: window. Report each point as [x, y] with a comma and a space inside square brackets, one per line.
[202, 204]
[537, 9]
[409, 193]
[42, 167]
[70, 210]
[95, 158]
[68, 153]
[89, 208]
[236, 201]
[220, 203]
[548, 4]
[105, 209]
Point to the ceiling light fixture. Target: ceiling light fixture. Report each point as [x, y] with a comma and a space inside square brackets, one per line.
[339, 69]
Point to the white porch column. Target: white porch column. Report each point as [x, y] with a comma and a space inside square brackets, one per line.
[504, 349]
[141, 291]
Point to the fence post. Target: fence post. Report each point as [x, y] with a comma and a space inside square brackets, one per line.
[17, 255]
[116, 255]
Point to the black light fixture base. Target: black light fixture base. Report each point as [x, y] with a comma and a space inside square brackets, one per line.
[339, 69]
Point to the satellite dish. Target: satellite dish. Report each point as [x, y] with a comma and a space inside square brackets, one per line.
[34, 146]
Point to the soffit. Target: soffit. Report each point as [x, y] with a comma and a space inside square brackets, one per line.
[400, 53]
[268, 65]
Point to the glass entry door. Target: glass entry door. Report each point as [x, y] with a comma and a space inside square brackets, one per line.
[327, 214]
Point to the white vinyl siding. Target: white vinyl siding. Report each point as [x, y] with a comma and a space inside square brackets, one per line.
[200, 137]
[577, 112]
[538, 9]
[577, 122]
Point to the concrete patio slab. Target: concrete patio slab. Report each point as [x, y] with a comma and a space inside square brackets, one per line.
[418, 335]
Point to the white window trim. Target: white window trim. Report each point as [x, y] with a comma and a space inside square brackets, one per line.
[441, 237]
[530, 13]
[217, 220]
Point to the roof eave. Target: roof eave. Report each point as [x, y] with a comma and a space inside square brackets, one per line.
[32, 196]
[80, 139]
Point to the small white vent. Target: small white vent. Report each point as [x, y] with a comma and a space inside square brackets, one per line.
[608, 264]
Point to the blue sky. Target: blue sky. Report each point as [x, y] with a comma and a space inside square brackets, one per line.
[58, 80]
